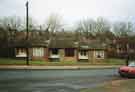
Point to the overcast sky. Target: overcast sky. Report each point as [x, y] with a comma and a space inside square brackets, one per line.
[71, 10]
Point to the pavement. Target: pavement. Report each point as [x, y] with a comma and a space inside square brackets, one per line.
[58, 67]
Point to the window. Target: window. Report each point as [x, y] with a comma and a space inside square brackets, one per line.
[69, 52]
[99, 54]
[38, 52]
[83, 53]
[20, 52]
[55, 51]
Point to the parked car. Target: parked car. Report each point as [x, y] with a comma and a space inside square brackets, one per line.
[127, 71]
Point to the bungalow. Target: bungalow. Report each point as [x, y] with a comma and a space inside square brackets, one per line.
[61, 50]
[68, 50]
[37, 50]
[91, 51]
[120, 47]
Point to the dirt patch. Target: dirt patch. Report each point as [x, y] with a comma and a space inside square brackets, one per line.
[115, 86]
[120, 85]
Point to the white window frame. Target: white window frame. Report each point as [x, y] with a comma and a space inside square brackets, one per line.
[99, 53]
[21, 52]
[38, 52]
[54, 55]
[83, 54]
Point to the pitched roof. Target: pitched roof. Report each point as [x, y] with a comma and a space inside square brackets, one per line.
[123, 41]
[92, 45]
[61, 43]
[29, 43]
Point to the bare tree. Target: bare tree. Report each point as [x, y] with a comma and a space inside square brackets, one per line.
[86, 28]
[14, 22]
[102, 25]
[102, 29]
[123, 29]
[11, 24]
[32, 24]
[54, 22]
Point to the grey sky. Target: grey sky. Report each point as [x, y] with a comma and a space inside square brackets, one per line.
[71, 10]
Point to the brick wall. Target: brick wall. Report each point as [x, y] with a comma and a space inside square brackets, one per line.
[65, 58]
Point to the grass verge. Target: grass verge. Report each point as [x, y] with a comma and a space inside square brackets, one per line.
[9, 61]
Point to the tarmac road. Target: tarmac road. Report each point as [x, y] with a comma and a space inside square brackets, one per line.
[54, 80]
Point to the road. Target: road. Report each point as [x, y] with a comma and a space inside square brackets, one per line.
[54, 80]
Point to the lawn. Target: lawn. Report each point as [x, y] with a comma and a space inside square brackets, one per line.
[9, 61]
[112, 61]
[124, 85]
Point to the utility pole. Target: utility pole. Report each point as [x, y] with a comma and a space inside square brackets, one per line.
[27, 29]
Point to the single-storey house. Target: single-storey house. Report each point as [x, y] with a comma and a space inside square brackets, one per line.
[91, 51]
[121, 47]
[37, 50]
[61, 50]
